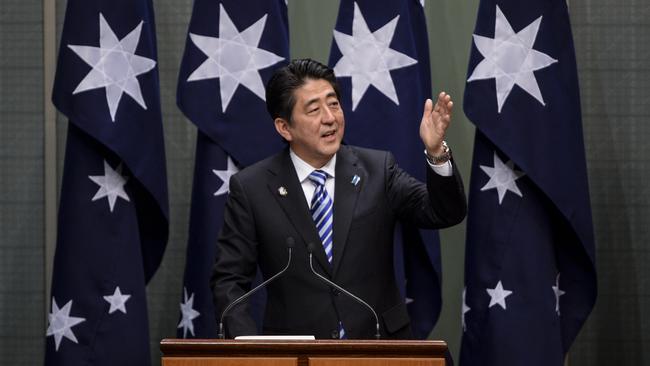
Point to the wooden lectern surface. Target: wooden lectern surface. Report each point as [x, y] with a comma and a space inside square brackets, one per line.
[209, 352]
[230, 361]
[325, 361]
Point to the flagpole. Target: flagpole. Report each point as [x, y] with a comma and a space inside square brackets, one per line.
[566, 357]
[49, 143]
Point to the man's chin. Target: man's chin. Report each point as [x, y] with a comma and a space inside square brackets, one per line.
[331, 148]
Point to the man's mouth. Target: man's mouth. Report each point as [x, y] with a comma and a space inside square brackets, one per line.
[329, 133]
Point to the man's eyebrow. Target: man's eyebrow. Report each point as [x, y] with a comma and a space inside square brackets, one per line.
[315, 99]
[310, 101]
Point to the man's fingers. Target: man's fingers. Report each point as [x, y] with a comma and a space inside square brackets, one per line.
[441, 103]
[445, 102]
[442, 107]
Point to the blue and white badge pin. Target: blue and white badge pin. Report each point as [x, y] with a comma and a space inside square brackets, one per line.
[355, 180]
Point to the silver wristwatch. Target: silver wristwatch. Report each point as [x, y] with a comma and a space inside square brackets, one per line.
[439, 159]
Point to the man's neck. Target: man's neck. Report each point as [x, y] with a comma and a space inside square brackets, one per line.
[314, 163]
[303, 168]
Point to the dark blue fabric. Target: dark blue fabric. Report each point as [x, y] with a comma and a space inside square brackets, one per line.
[526, 241]
[98, 248]
[378, 122]
[244, 132]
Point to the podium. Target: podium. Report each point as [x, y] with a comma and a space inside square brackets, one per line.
[216, 352]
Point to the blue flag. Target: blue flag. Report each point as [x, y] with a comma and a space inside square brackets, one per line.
[113, 213]
[380, 56]
[529, 272]
[230, 53]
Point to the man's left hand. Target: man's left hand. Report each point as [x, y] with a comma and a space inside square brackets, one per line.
[435, 121]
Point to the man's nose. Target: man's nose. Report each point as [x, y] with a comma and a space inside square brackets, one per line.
[328, 116]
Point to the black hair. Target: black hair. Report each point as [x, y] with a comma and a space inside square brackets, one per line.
[280, 98]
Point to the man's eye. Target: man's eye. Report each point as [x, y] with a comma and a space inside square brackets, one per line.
[312, 110]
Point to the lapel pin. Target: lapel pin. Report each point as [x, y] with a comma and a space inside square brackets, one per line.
[283, 191]
[355, 180]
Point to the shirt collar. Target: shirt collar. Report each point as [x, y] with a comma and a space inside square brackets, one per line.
[303, 169]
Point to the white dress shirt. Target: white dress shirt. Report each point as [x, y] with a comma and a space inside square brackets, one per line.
[303, 169]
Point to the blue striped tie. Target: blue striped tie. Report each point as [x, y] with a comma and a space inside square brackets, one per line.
[321, 211]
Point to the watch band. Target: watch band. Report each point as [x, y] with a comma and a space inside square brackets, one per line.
[439, 159]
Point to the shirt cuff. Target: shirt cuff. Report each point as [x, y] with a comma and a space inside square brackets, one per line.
[445, 169]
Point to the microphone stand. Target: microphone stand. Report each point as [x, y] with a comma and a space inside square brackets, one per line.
[310, 248]
[290, 243]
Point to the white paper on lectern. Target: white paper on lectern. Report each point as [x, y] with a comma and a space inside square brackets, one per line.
[276, 338]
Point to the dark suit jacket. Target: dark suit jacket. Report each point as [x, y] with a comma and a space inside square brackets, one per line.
[258, 220]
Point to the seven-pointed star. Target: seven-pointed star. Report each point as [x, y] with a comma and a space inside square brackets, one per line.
[558, 292]
[465, 309]
[510, 59]
[188, 314]
[115, 66]
[117, 301]
[61, 323]
[498, 295]
[502, 177]
[225, 175]
[111, 185]
[234, 58]
[368, 58]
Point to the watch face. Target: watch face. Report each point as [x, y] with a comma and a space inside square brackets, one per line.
[442, 158]
[445, 147]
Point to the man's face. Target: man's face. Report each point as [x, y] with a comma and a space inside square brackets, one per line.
[317, 123]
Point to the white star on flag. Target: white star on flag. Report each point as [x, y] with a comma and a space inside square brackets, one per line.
[498, 295]
[115, 66]
[510, 59]
[368, 58]
[117, 301]
[234, 58]
[407, 300]
[502, 177]
[111, 185]
[558, 293]
[188, 314]
[225, 175]
[465, 309]
[61, 323]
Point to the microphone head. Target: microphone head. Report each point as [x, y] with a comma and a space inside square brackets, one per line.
[290, 242]
[310, 247]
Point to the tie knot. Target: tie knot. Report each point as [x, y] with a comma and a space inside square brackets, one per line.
[318, 177]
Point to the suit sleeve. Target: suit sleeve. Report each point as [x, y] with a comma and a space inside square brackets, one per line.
[235, 262]
[437, 204]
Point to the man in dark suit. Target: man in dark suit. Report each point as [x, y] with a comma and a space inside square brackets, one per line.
[344, 200]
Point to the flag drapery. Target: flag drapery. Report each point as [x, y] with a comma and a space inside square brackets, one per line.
[380, 55]
[113, 213]
[529, 272]
[230, 53]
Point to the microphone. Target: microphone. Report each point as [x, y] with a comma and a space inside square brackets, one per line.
[310, 249]
[290, 244]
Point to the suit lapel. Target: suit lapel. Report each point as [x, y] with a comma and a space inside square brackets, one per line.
[348, 182]
[286, 189]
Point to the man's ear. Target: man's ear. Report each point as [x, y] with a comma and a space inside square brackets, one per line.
[282, 126]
